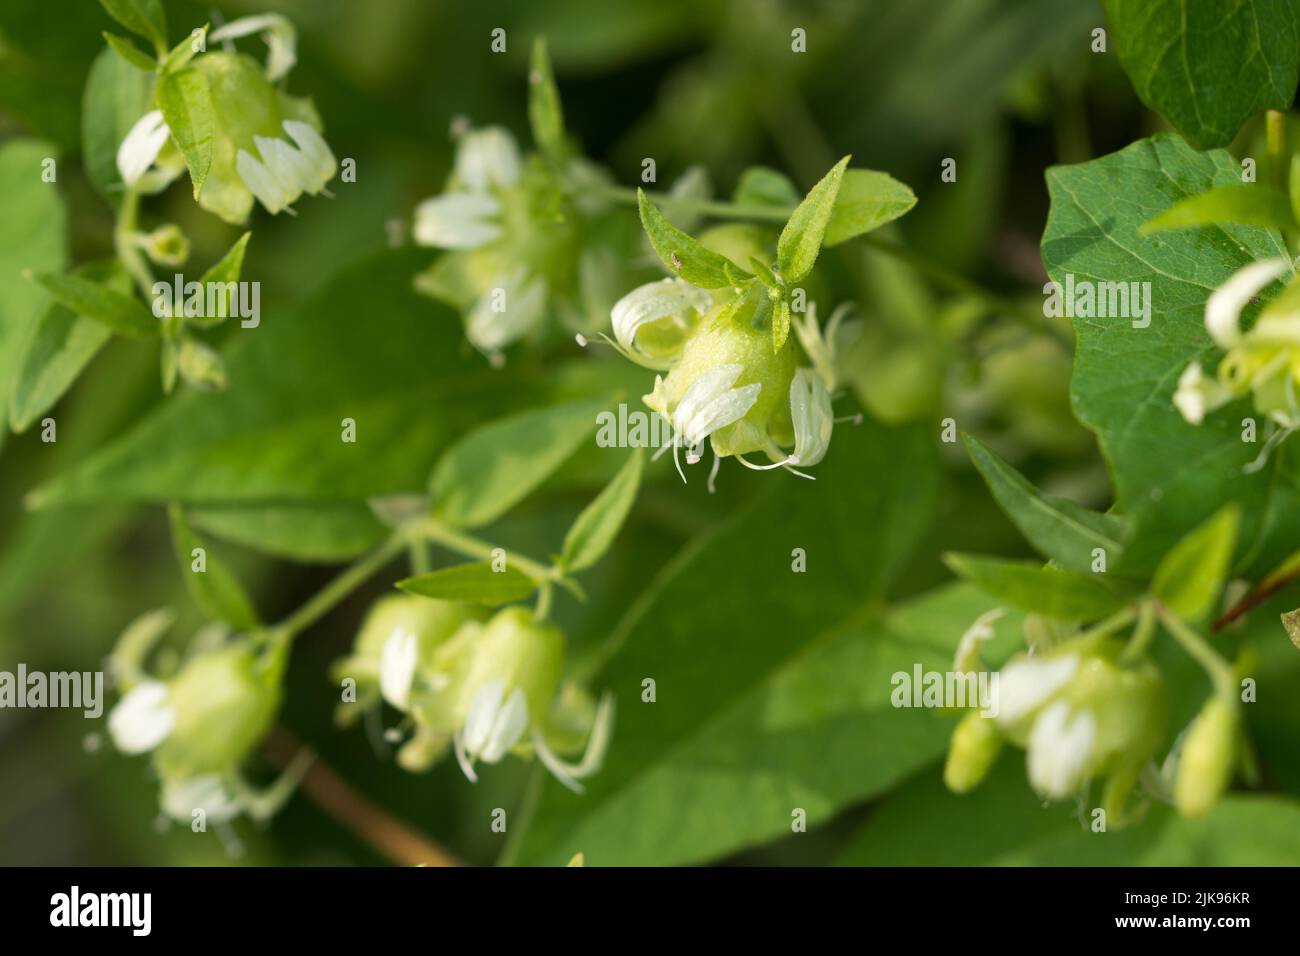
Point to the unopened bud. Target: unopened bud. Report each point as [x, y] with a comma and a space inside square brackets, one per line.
[1208, 757]
[975, 744]
[200, 366]
[167, 245]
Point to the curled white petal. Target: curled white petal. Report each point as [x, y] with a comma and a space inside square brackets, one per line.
[650, 303]
[280, 35]
[1223, 308]
[457, 221]
[1026, 683]
[262, 182]
[711, 403]
[968, 656]
[142, 719]
[488, 158]
[812, 415]
[509, 726]
[397, 660]
[506, 312]
[1058, 750]
[319, 164]
[482, 714]
[141, 146]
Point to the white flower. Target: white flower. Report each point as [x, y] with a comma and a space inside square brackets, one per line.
[813, 418]
[1196, 395]
[285, 172]
[208, 792]
[281, 40]
[488, 158]
[496, 723]
[397, 660]
[1028, 682]
[493, 725]
[1223, 308]
[710, 404]
[142, 719]
[651, 302]
[1059, 747]
[508, 311]
[141, 146]
[458, 221]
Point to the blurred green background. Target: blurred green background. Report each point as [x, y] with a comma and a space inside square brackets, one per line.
[1007, 87]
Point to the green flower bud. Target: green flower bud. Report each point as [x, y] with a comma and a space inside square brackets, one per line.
[167, 245]
[223, 703]
[200, 366]
[1208, 756]
[975, 745]
[520, 652]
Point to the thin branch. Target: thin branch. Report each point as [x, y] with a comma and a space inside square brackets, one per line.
[389, 836]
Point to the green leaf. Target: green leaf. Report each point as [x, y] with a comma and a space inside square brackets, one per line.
[867, 200]
[780, 324]
[1058, 529]
[598, 524]
[476, 582]
[544, 111]
[215, 589]
[494, 467]
[1003, 823]
[186, 50]
[402, 376]
[801, 239]
[143, 17]
[131, 53]
[1253, 204]
[227, 270]
[1168, 475]
[762, 186]
[1208, 67]
[326, 533]
[682, 255]
[186, 103]
[1061, 595]
[117, 95]
[1190, 577]
[101, 303]
[33, 238]
[60, 346]
[772, 686]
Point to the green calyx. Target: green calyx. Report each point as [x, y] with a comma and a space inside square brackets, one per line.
[224, 702]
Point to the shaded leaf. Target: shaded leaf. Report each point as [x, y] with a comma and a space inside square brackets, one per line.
[1061, 595]
[118, 311]
[117, 95]
[545, 113]
[684, 256]
[1207, 67]
[1253, 204]
[1189, 578]
[143, 17]
[215, 589]
[495, 466]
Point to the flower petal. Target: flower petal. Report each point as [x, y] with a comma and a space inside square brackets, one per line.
[457, 221]
[141, 146]
[1059, 747]
[1223, 308]
[397, 660]
[141, 720]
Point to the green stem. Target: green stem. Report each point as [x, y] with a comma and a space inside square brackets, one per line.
[471, 547]
[136, 265]
[1220, 671]
[1142, 634]
[324, 600]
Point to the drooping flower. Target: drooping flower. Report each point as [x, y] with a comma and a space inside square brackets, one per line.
[1263, 362]
[483, 690]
